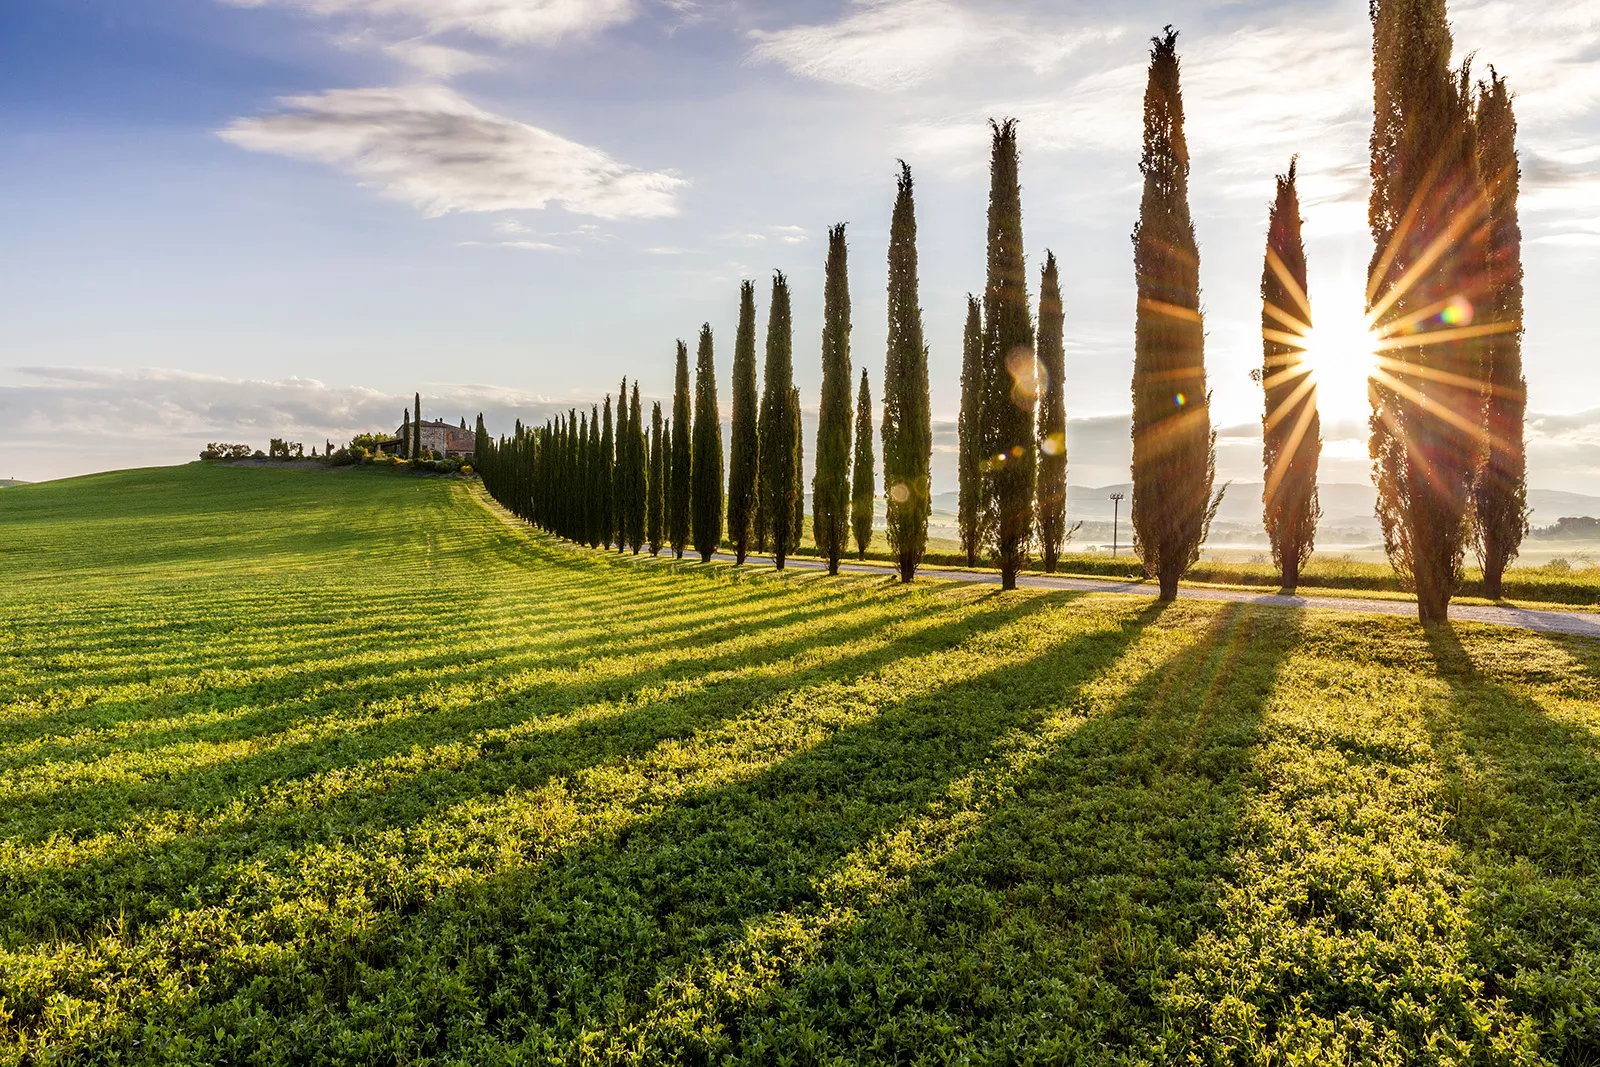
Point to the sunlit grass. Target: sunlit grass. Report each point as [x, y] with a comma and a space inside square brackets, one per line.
[343, 766]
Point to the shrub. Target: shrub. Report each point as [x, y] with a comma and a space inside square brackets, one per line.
[222, 450]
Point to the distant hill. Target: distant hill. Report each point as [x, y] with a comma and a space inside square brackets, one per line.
[1346, 506]
[4, 482]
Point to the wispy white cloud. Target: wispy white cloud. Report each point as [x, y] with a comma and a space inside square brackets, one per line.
[430, 147]
[899, 44]
[505, 21]
[437, 60]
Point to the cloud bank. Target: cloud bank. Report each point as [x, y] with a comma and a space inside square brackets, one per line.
[429, 146]
[504, 21]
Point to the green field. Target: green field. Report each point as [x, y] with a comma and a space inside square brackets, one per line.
[342, 767]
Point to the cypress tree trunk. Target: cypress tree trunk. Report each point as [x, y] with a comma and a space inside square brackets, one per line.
[1052, 417]
[907, 414]
[707, 452]
[830, 501]
[655, 502]
[797, 521]
[1174, 450]
[605, 480]
[744, 446]
[680, 484]
[1501, 492]
[1010, 378]
[777, 466]
[1291, 427]
[1426, 215]
[416, 429]
[637, 473]
[862, 489]
[969, 462]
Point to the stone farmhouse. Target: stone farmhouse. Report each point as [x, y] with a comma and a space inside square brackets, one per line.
[438, 436]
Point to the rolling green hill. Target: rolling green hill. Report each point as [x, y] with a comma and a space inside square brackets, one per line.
[343, 767]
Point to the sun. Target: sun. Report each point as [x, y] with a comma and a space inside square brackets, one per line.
[1341, 353]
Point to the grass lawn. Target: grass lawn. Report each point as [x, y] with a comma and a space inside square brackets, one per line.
[312, 767]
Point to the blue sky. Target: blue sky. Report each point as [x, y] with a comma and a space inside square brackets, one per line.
[241, 219]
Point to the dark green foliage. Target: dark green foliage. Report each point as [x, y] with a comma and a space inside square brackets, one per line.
[707, 452]
[404, 446]
[830, 487]
[862, 489]
[1052, 486]
[605, 481]
[599, 475]
[638, 475]
[680, 484]
[656, 500]
[1426, 215]
[416, 428]
[1174, 450]
[1501, 490]
[480, 446]
[1010, 379]
[778, 469]
[1291, 424]
[744, 445]
[969, 461]
[907, 411]
[797, 521]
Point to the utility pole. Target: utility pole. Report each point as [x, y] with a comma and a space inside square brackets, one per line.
[1116, 506]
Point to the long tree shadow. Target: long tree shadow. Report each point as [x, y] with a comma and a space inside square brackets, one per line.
[1046, 933]
[124, 881]
[569, 939]
[1523, 787]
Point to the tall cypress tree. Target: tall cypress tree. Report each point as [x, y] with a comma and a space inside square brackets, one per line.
[638, 474]
[969, 462]
[656, 501]
[1426, 215]
[582, 486]
[862, 489]
[480, 445]
[707, 452]
[1174, 450]
[404, 445]
[797, 520]
[416, 429]
[1291, 436]
[744, 446]
[830, 488]
[599, 480]
[776, 462]
[680, 485]
[605, 480]
[620, 474]
[1501, 491]
[907, 414]
[1052, 489]
[1009, 375]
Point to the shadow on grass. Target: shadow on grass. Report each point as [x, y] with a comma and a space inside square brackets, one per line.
[1524, 791]
[571, 938]
[141, 882]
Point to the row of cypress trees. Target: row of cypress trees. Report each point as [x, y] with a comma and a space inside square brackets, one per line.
[1448, 397]
[576, 478]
